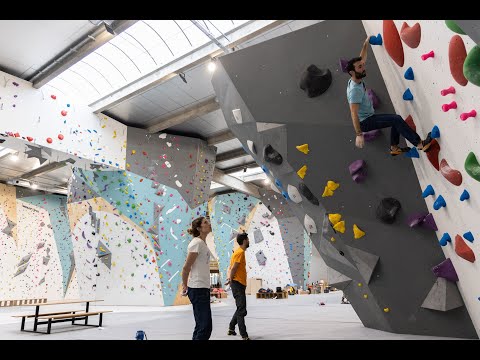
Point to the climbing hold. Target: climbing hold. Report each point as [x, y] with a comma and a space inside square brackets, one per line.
[343, 64]
[64, 113]
[365, 296]
[446, 270]
[237, 115]
[469, 236]
[393, 44]
[445, 238]
[429, 222]
[332, 185]
[334, 218]
[435, 133]
[53, 97]
[428, 191]
[309, 224]
[251, 147]
[60, 136]
[278, 183]
[452, 25]
[450, 90]
[305, 191]
[465, 195]
[29, 138]
[371, 135]
[472, 167]
[471, 66]
[358, 170]
[411, 35]
[412, 153]
[294, 194]
[274, 188]
[285, 195]
[303, 148]
[315, 81]
[428, 55]
[452, 105]
[49, 140]
[386, 310]
[466, 115]
[357, 233]
[340, 226]
[376, 40]
[332, 239]
[272, 155]
[457, 53]
[302, 171]
[409, 121]
[359, 284]
[265, 169]
[327, 192]
[462, 249]
[373, 98]
[387, 209]
[432, 154]
[415, 219]
[452, 175]
[440, 202]
[407, 95]
[409, 74]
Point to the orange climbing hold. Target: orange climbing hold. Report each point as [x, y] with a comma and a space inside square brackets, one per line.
[411, 35]
[392, 42]
[462, 249]
[409, 121]
[456, 57]
[432, 154]
[452, 175]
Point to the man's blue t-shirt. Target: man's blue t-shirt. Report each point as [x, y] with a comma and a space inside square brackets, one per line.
[357, 94]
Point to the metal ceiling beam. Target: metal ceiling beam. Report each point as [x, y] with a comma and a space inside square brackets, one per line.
[43, 169]
[220, 138]
[240, 167]
[234, 183]
[77, 52]
[205, 107]
[230, 155]
[210, 36]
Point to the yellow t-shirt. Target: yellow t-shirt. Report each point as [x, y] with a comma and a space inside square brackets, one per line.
[241, 274]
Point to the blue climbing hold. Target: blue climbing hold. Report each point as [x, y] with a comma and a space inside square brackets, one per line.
[413, 153]
[285, 195]
[469, 236]
[440, 202]
[407, 95]
[409, 74]
[428, 191]
[445, 238]
[376, 40]
[68, 105]
[265, 169]
[435, 134]
[465, 195]
[278, 183]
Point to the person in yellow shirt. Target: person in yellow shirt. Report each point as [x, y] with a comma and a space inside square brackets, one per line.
[237, 278]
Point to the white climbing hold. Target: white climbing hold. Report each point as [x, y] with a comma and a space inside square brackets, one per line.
[169, 144]
[237, 114]
[294, 194]
[162, 136]
[309, 224]
[167, 164]
[274, 188]
[178, 183]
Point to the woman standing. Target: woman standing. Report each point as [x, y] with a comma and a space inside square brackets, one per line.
[196, 278]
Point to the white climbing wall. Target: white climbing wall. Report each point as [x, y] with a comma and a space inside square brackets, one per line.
[458, 138]
[318, 268]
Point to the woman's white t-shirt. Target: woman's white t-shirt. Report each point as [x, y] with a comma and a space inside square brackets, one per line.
[200, 272]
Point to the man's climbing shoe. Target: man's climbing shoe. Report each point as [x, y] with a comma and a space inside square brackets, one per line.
[231, 332]
[398, 151]
[427, 142]
[246, 338]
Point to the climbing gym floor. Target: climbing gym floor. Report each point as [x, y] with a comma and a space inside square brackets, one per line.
[299, 317]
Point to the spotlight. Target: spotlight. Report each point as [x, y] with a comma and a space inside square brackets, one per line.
[267, 181]
[212, 66]
[14, 157]
[34, 186]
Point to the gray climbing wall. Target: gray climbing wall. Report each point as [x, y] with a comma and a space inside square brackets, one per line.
[390, 267]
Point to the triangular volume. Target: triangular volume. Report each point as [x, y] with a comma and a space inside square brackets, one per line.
[443, 296]
[294, 194]
[309, 225]
[107, 260]
[258, 236]
[364, 261]
[261, 126]
[80, 191]
[337, 279]
[102, 250]
[251, 147]
[237, 114]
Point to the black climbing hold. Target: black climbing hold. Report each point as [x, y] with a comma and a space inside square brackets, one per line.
[272, 155]
[305, 191]
[342, 253]
[315, 81]
[387, 210]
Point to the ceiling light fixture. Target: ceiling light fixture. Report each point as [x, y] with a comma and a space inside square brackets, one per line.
[267, 181]
[14, 157]
[34, 186]
[211, 65]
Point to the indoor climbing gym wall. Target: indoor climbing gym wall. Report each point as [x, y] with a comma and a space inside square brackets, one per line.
[136, 230]
[438, 64]
[49, 118]
[356, 204]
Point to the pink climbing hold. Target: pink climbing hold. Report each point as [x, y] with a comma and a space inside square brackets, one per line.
[426, 56]
[452, 175]
[446, 107]
[64, 113]
[450, 90]
[465, 116]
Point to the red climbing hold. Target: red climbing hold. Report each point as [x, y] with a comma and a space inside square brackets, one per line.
[29, 138]
[456, 57]
[462, 249]
[53, 97]
[432, 154]
[409, 121]
[16, 134]
[452, 175]
[392, 41]
[49, 140]
[64, 113]
[411, 35]
[60, 136]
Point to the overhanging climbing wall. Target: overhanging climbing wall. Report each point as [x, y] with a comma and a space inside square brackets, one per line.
[386, 273]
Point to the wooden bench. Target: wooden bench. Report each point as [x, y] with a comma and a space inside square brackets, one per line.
[26, 316]
[272, 295]
[54, 318]
[8, 303]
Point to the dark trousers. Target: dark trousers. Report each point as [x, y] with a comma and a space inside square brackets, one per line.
[399, 127]
[238, 291]
[200, 299]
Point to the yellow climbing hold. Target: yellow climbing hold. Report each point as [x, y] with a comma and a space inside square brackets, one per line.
[340, 226]
[303, 148]
[386, 310]
[332, 185]
[359, 284]
[327, 192]
[334, 218]
[332, 239]
[133, 152]
[303, 171]
[357, 233]
[365, 296]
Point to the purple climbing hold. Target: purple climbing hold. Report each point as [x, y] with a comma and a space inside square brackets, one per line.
[373, 98]
[446, 270]
[343, 64]
[359, 176]
[416, 219]
[371, 135]
[356, 166]
[429, 222]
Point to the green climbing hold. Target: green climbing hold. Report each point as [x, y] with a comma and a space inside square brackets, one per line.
[472, 167]
[452, 25]
[471, 66]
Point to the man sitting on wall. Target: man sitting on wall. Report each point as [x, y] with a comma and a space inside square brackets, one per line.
[364, 117]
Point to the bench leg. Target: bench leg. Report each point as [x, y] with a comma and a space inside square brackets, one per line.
[101, 320]
[37, 308]
[49, 328]
[23, 324]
